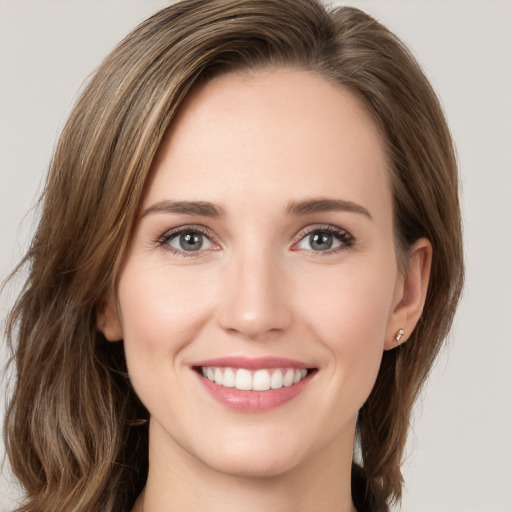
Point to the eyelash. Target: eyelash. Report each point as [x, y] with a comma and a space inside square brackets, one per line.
[347, 240]
[164, 240]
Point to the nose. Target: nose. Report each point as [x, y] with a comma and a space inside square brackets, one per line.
[255, 299]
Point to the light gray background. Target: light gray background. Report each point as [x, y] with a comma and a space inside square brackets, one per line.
[460, 452]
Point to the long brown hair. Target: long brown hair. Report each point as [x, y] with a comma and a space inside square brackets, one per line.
[75, 431]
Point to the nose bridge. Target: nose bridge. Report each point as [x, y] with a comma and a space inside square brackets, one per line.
[254, 301]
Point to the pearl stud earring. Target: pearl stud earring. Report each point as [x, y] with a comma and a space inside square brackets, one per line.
[399, 335]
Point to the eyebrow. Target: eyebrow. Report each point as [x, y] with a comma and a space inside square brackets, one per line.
[310, 206]
[297, 208]
[203, 208]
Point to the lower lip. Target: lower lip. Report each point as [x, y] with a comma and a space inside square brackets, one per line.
[253, 401]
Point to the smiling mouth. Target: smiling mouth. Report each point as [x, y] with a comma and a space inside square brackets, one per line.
[254, 380]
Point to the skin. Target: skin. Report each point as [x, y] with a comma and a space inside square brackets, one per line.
[251, 144]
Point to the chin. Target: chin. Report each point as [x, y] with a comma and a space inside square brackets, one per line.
[261, 454]
[253, 465]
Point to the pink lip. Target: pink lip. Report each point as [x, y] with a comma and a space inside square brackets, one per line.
[252, 363]
[252, 401]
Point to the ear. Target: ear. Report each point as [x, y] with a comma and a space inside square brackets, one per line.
[107, 319]
[410, 294]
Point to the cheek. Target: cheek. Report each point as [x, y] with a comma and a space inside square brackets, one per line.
[352, 303]
[348, 313]
[161, 313]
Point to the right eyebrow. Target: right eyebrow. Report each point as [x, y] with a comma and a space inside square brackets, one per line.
[311, 206]
[203, 208]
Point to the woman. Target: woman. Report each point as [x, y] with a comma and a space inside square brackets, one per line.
[248, 258]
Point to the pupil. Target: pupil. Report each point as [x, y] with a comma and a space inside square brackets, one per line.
[321, 241]
[191, 241]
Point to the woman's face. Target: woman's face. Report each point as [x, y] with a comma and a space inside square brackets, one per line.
[264, 247]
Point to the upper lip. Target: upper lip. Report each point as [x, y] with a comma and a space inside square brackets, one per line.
[252, 363]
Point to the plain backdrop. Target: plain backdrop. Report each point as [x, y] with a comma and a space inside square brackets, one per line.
[459, 455]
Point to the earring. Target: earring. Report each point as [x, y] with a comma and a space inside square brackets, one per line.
[399, 335]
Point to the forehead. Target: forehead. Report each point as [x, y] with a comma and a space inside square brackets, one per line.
[269, 134]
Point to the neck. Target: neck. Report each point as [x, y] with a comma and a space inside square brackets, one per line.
[177, 481]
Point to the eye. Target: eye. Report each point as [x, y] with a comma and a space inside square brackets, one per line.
[187, 240]
[325, 239]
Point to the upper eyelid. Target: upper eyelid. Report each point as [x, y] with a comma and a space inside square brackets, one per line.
[345, 237]
[188, 227]
[320, 227]
[167, 236]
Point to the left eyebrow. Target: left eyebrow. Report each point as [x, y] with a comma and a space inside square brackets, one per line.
[204, 208]
[310, 206]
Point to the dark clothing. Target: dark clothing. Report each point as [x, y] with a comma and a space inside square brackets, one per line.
[363, 500]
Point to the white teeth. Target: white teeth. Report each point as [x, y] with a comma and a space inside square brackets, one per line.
[276, 381]
[259, 380]
[229, 378]
[288, 377]
[243, 380]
